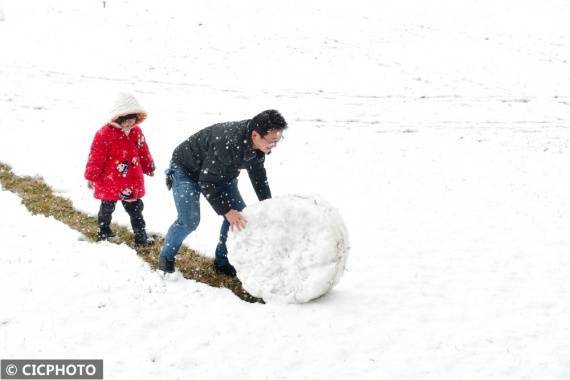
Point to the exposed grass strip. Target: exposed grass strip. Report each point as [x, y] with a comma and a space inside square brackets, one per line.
[39, 198]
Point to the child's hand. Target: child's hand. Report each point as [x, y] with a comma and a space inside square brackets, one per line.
[151, 174]
[90, 185]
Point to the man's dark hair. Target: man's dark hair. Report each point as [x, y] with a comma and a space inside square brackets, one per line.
[267, 120]
[121, 119]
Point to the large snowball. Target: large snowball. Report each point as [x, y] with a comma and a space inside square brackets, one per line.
[293, 249]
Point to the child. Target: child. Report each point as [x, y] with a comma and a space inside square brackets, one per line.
[118, 158]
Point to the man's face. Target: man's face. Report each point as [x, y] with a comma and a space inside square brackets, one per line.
[267, 142]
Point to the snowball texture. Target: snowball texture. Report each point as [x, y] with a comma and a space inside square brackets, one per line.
[293, 249]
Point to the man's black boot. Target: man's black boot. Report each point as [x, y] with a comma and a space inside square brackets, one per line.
[165, 265]
[226, 268]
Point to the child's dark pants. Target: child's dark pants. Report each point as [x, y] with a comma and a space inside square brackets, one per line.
[134, 209]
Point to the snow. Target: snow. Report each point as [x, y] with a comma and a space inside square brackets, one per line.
[437, 129]
[294, 248]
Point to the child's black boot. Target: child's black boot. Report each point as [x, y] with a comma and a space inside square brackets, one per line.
[105, 233]
[142, 239]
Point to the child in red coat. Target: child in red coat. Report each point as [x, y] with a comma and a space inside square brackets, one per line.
[118, 159]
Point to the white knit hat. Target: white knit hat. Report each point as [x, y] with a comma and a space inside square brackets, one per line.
[126, 104]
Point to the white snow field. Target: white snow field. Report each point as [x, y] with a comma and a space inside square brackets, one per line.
[439, 130]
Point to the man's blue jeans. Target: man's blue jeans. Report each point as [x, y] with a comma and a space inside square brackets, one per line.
[186, 193]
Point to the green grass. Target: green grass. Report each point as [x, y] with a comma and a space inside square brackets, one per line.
[39, 198]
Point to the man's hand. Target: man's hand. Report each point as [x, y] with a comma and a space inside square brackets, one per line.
[90, 185]
[236, 219]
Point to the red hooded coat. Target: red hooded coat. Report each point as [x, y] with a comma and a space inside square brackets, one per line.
[117, 162]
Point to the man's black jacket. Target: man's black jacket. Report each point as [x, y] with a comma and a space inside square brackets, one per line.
[214, 157]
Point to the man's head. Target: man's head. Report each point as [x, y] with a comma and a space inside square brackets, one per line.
[267, 130]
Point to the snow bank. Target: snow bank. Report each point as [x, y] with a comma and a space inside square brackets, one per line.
[293, 250]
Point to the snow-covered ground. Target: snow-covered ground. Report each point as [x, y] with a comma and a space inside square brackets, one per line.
[438, 129]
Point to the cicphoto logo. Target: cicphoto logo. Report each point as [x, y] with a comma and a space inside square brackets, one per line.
[51, 369]
[11, 370]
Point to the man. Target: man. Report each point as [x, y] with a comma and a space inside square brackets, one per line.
[209, 162]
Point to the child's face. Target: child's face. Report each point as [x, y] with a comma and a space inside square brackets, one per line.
[128, 123]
